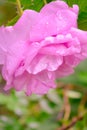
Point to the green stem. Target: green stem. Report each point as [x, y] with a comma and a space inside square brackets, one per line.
[20, 11]
[45, 2]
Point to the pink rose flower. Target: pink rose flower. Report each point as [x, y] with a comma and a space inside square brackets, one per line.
[41, 47]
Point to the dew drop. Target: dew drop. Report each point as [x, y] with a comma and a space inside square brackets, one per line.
[47, 23]
[59, 15]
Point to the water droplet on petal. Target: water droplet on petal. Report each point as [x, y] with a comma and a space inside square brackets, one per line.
[59, 15]
[47, 23]
[60, 37]
[50, 39]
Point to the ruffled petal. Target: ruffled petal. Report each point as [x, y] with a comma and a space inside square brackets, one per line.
[25, 24]
[64, 70]
[36, 87]
[47, 77]
[53, 19]
[82, 37]
[47, 62]
[41, 47]
[2, 57]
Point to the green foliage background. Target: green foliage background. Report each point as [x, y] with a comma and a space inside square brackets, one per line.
[19, 112]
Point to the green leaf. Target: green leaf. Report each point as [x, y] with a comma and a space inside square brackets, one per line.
[7, 11]
[82, 5]
[71, 2]
[32, 4]
[82, 20]
[52, 125]
[11, 0]
[13, 21]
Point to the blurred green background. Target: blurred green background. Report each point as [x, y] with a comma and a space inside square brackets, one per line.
[62, 107]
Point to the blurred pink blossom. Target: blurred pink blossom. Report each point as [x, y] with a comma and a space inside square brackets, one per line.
[41, 47]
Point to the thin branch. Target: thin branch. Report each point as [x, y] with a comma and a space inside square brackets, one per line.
[67, 107]
[45, 2]
[73, 122]
[82, 103]
[20, 11]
